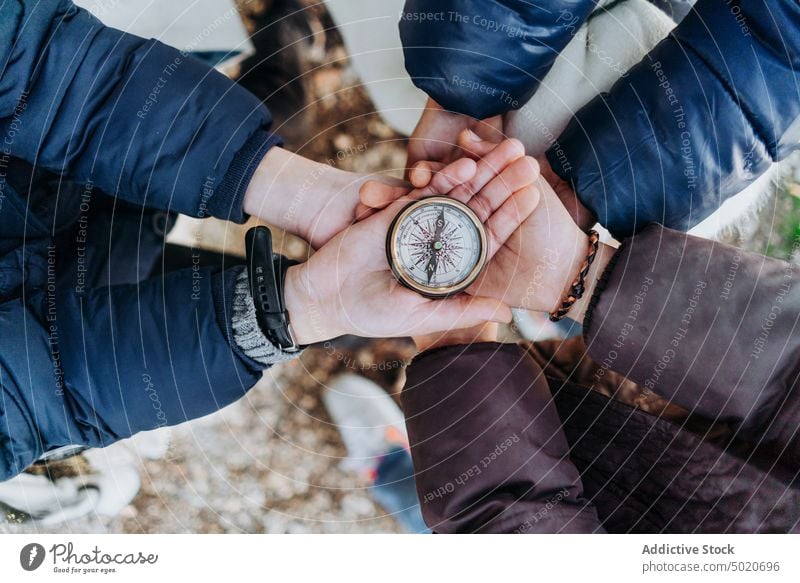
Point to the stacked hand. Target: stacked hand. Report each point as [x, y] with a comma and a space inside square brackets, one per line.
[536, 265]
[347, 287]
[535, 247]
[436, 139]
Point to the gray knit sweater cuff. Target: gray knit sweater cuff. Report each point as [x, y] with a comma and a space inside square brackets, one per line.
[246, 332]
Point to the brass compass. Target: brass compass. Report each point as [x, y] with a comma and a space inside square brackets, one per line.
[436, 246]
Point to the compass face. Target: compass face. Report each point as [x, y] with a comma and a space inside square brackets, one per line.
[436, 246]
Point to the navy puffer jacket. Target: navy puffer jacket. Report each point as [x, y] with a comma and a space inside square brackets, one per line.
[701, 117]
[96, 128]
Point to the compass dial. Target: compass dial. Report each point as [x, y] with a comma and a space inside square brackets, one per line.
[436, 246]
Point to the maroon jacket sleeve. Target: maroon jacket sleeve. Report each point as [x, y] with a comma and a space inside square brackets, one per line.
[488, 448]
[709, 326]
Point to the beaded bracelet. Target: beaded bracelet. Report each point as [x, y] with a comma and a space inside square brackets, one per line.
[578, 286]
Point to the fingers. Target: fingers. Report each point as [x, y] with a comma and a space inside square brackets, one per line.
[379, 198]
[489, 166]
[521, 173]
[473, 145]
[431, 178]
[428, 177]
[461, 311]
[480, 139]
[363, 211]
[421, 173]
[511, 214]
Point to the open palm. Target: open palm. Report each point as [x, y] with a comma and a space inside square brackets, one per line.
[534, 267]
[353, 291]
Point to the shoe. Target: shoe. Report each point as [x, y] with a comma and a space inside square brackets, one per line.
[53, 491]
[369, 421]
[71, 482]
[373, 429]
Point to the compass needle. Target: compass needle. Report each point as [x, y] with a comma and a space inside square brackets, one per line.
[436, 246]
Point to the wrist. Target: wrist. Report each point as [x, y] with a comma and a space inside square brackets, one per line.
[247, 332]
[307, 317]
[567, 266]
[582, 216]
[596, 271]
[256, 197]
[289, 191]
[432, 104]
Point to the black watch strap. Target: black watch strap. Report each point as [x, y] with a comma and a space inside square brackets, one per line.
[266, 273]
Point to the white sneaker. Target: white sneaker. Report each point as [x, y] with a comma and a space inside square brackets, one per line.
[108, 485]
[369, 421]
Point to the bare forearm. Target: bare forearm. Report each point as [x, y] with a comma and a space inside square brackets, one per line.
[288, 191]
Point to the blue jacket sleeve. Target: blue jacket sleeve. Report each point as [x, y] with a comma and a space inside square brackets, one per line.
[486, 58]
[141, 120]
[91, 368]
[701, 117]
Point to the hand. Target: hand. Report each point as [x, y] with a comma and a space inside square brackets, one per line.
[315, 201]
[537, 264]
[532, 266]
[430, 178]
[347, 287]
[435, 137]
[502, 173]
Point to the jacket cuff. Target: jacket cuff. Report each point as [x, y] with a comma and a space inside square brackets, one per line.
[487, 443]
[649, 151]
[224, 289]
[228, 199]
[707, 326]
[487, 58]
[20, 442]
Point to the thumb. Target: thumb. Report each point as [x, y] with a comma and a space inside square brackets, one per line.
[464, 311]
[491, 129]
[434, 178]
[377, 195]
[473, 145]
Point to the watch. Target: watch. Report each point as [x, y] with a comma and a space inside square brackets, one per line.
[266, 273]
